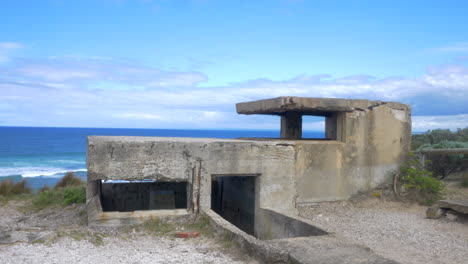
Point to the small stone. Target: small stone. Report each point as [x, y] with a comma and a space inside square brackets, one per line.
[435, 212]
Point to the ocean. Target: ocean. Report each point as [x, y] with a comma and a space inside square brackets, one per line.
[42, 155]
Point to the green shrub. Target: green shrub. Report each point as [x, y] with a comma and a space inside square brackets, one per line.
[419, 184]
[75, 194]
[436, 136]
[48, 199]
[444, 165]
[59, 197]
[70, 179]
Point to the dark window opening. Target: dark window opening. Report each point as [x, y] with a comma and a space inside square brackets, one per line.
[132, 196]
[233, 198]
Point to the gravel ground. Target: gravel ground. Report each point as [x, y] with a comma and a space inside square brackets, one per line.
[142, 249]
[394, 230]
[59, 235]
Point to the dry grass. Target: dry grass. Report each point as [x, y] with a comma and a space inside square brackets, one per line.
[7, 187]
[44, 189]
[70, 179]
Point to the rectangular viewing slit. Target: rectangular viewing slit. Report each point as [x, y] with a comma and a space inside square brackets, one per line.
[125, 196]
[233, 198]
[314, 127]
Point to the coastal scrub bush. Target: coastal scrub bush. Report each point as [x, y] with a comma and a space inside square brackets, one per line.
[436, 136]
[419, 184]
[74, 194]
[443, 165]
[68, 190]
[70, 179]
[48, 199]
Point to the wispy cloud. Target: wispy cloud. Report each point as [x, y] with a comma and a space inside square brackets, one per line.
[7, 48]
[424, 123]
[457, 47]
[107, 92]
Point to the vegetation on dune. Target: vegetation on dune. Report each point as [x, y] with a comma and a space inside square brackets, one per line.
[69, 190]
[70, 179]
[439, 165]
[436, 136]
[7, 188]
[443, 165]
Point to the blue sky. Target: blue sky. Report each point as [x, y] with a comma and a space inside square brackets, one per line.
[184, 64]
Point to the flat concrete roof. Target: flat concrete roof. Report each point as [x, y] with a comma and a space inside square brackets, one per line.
[309, 105]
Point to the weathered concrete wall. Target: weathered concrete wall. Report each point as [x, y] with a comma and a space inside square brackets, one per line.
[319, 171]
[276, 225]
[196, 161]
[376, 141]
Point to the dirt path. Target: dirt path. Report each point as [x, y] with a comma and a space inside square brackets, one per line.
[394, 230]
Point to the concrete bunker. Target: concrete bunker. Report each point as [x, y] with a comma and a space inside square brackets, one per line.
[254, 184]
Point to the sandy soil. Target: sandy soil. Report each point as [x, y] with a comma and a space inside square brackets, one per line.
[395, 230]
[60, 236]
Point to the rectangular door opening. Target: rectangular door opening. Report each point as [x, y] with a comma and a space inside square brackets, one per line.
[233, 198]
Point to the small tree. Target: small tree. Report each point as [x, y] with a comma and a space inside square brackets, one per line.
[418, 184]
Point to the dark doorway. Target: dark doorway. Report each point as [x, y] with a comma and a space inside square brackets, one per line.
[133, 196]
[233, 198]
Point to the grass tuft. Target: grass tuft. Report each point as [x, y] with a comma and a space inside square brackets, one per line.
[70, 179]
[464, 181]
[157, 226]
[7, 187]
[202, 225]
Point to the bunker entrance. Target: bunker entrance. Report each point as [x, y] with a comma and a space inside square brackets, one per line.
[124, 196]
[233, 198]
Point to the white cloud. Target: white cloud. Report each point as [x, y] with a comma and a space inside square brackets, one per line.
[118, 93]
[424, 123]
[6, 48]
[457, 47]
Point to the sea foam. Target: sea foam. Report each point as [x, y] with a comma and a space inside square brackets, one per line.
[36, 171]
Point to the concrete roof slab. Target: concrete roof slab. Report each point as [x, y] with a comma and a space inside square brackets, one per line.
[309, 105]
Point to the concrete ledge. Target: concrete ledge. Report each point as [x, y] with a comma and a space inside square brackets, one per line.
[96, 217]
[460, 206]
[309, 105]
